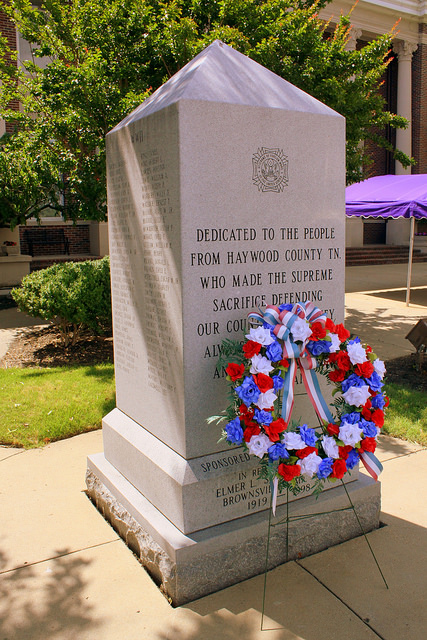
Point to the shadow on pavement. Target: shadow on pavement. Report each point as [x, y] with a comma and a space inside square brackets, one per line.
[338, 593]
[417, 296]
[45, 601]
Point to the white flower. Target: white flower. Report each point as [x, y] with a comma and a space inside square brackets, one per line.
[330, 447]
[357, 396]
[266, 400]
[350, 434]
[260, 335]
[310, 464]
[293, 440]
[379, 368]
[300, 330]
[259, 445]
[356, 353]
[260, 364]
[335, 343]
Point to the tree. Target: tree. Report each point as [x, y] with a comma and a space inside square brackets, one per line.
[98, 60]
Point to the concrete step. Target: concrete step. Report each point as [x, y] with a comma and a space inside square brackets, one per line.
[381, 254]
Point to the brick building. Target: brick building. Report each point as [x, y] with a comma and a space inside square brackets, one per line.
[54, 240]
[405, 90]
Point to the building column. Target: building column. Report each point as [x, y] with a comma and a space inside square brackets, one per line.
[404, 51]
[354, 35]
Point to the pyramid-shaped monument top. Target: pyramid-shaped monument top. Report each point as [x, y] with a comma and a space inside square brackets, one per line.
[221, 74]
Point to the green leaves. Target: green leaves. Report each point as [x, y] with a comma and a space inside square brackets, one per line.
[74, 295]
[93, 62]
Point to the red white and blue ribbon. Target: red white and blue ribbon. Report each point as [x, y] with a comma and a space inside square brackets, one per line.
[371, 463]
[297, 354]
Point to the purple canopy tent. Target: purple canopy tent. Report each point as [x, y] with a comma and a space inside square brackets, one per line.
[403, 196]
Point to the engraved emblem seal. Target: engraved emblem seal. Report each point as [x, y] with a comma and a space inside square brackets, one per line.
[270, 170]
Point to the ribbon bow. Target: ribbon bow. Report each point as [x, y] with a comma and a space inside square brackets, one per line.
[297, 354]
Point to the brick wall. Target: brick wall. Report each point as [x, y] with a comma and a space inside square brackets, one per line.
[78, 239]
[383, 162]
[419, 106]
[8, 31]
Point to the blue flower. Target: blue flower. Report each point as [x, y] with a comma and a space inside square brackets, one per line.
[353, 459]
[316, 347]
[355, 340]
[378, 401]
[285, 307]
[369, 429]
[274, 351]
[263, 417]
[308, 435]
[325, 468]
[267, 325]
[375, 382]
[278, 450]
[352, 381]
[278, 382]
[248, 391]
[234, 431]
[351, 418]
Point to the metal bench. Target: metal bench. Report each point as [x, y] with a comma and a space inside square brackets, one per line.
[39, 239]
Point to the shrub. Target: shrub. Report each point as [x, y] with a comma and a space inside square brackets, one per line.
[74, 295]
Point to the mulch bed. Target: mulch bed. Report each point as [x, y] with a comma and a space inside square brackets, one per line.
[43, 348]
[408, 371]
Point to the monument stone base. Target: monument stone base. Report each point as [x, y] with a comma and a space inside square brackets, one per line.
[187, 567]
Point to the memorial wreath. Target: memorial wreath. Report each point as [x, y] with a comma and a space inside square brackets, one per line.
[261, 373]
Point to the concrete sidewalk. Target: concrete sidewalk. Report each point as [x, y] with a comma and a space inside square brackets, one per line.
[375, 308]
[65, 574]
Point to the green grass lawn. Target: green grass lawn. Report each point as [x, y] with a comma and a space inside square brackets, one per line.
[38, 406]
[406, 416]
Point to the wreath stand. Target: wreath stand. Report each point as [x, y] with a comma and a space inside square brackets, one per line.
[288, 519]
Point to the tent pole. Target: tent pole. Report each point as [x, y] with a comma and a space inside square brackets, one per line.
[411, 249]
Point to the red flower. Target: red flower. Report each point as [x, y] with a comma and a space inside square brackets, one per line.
[343, 360]
[284, 363]
[342, 332]
[247, 416]
[275, 428]
[333, 429]
[318, 331]
[330, 325]
[368, 444]
[244, 411]
[336, 376]
[338, 468]
[253, 430]
[303, 453]
[365, 369]
[366, 410]
[263, 382]
[344, 451]
[251, 348]
[235, 371]
[377, 416]
[289, 471]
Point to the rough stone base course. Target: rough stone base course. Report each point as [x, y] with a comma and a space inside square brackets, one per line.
[187, 568]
